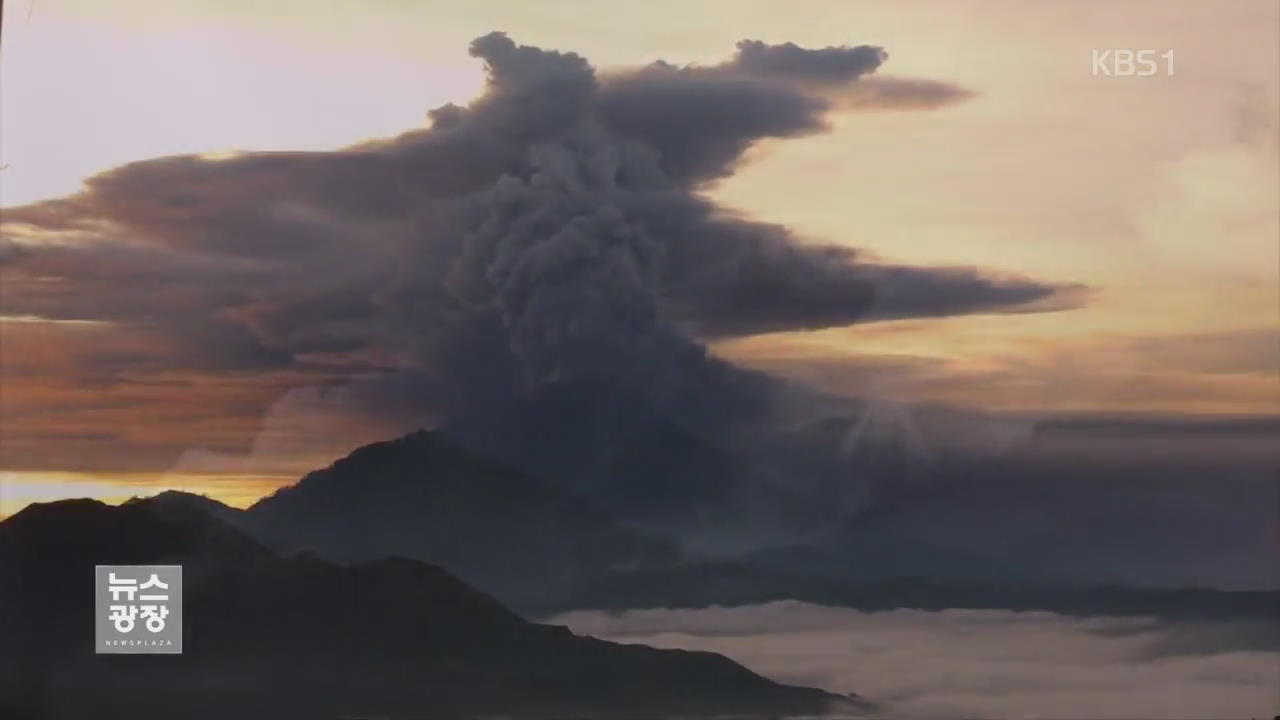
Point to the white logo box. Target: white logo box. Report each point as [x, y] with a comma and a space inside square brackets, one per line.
[138, 609]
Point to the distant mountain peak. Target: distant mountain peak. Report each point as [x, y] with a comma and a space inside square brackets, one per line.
[428, 497]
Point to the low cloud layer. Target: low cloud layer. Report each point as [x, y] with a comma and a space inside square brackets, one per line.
[981, 663]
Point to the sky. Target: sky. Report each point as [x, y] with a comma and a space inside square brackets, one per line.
[1148, 208]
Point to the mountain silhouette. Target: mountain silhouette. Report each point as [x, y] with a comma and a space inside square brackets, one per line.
[538, 545]
[424, 496]
[642, 465]
[272, 636]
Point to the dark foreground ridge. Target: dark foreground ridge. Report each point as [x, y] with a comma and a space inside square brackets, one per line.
[268, 636]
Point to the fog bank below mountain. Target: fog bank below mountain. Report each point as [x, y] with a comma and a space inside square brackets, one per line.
[981, 663]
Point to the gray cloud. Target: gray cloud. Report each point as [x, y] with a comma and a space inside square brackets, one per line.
[901, 93]
[554, 210]
[980, 663]
[907, 292]
[830, 64]
[552, 231]
[701, 121]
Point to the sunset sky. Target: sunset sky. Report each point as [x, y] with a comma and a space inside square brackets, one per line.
[1154, 200]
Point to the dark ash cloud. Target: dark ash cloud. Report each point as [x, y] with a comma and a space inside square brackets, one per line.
[701, 119]
[700, 122]
[550, 230]
[901, 93]
[830, 64]
[908, 292]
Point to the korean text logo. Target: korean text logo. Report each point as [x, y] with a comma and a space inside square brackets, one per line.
[138, 608]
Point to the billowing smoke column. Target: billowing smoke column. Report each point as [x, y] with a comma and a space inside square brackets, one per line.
[591, 255]
[591, 262]
[550, 235]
